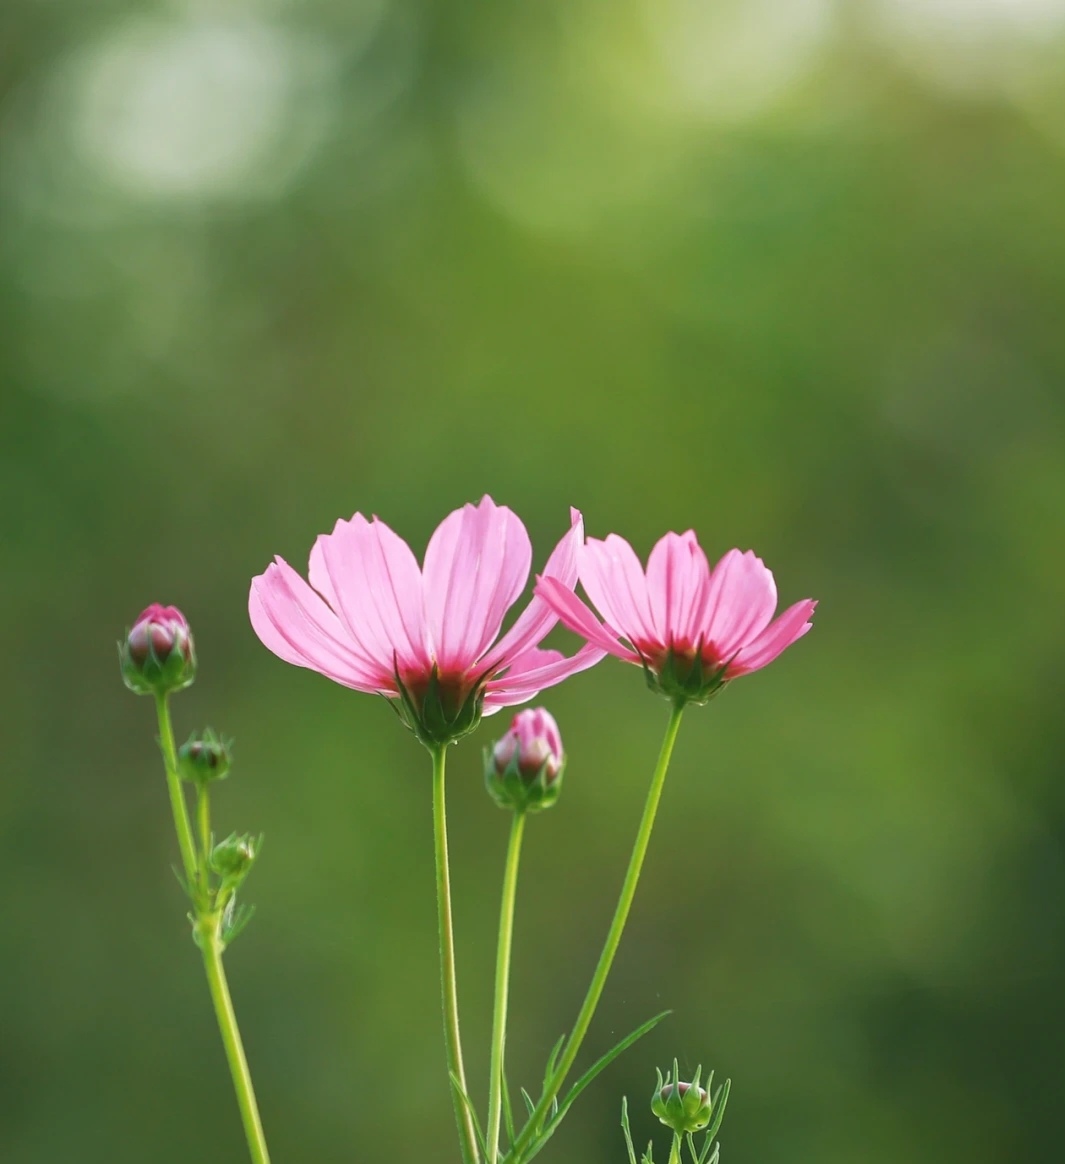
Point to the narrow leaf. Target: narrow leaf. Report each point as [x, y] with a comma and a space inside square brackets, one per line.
[552, 1059]
[602, 1063]
[559, 1110]
[718, 1105]
[625, 1129]
[470, 1108]
[508, 1111]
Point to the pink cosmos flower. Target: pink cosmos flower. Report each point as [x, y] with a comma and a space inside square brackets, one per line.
[690, 627]
[429, 637]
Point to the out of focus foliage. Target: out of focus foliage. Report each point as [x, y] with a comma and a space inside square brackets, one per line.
[791, 272]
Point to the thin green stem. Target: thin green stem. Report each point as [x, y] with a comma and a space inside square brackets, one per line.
[208, 936]
[499, 1010]
[674, 1151]
[203, 822]
[610, 946]
[448, 985]
[177, 796]
[211, 944]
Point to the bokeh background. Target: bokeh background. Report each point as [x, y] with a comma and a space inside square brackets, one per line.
[790, 272]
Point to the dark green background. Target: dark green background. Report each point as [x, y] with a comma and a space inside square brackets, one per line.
[264, 268]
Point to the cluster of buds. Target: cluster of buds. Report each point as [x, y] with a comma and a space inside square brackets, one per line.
[524, 769]
[158, 657]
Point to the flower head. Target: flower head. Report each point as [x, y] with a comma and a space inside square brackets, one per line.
[524, 769]
[691, 628]
[426, 637]
[158, 654]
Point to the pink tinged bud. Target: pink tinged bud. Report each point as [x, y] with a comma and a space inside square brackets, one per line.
[158, 654]
[524, 769]
[536, 741]
[687, 1107]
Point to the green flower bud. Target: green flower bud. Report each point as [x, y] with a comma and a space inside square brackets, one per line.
[684, 1107]
[158, 654]
[202, 759]
[234, 857]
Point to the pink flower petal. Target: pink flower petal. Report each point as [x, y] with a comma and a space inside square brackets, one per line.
[577, 617]
[741, 599]
[539, 617]
[476, 566]
[535, 670]
[614, 580]
[370, 576]
[294, 623]
[677, 579]
[780, 634]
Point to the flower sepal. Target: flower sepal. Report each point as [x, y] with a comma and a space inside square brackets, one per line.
[445, 711]
[514, 788]
[684, 677]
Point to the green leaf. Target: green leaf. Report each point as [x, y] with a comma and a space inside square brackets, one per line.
[625, 1129]
[508, 1111]
[470, 1108]
[718, 1105]
[552, 1060]
[559, 1110]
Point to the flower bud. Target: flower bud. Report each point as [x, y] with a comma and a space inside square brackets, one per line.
[684, 1107]
[524, 769]
[233, 857]
[204, 758]
[158, 654]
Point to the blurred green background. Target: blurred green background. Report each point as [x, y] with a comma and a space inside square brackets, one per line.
[790, 272]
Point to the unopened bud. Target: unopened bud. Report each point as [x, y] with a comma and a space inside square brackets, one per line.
[233, 857]
[204, 758]
[158, 654]
[684, 1107]
[524, 769]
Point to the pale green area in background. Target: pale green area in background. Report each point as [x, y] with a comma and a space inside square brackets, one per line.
[789, 273]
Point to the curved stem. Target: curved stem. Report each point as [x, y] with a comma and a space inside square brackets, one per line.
[610, 946]
[211, 944]
[448, 985]
[499, 1011]
[177, 796]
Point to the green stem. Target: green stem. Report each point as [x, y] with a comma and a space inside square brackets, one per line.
[177, 796]
[209, 939]
[610, 946]
[674, 1151]
[211, 944]
[448, 986]
[499, 1012]
[203, 821]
